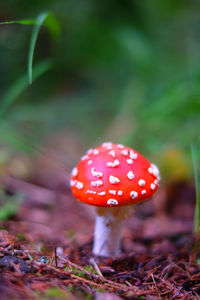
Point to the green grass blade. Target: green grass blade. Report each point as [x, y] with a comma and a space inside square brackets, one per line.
[20, 85]
[47, 19]
[50, 22]
[39, 21]
[196, 180]
[23, 22]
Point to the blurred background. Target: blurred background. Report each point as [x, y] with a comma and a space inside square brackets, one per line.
[122, 71]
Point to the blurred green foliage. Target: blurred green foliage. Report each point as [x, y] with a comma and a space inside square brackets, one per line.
[197, 195]
[9, 205]
[126, 71]
[197, 203]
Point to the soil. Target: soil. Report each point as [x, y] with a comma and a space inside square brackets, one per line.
[45, 248]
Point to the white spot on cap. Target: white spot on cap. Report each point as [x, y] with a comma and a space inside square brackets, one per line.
[95, 173]
[112, 202]
[72, 182]
[90, 151]
[74, 171]
[120, 146]
[96, 152]
[91, 192]
[84, 157]
[155, 170]
[130, 175]
[124, 152]
[133, 195]
[150, 170]
[97, 183]
[153, 186]
[112, 153]
[102, 193]
[141, 182]
[113, 192]
[143, 192]
[107, 145]
[113, 179]
[89, 162]
[133, 154]
[156, 181]
[120, 193]
[113, 164]
[130, 161]
[79, 185]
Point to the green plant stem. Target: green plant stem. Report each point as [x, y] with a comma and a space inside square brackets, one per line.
[39, 21]
[197, 196]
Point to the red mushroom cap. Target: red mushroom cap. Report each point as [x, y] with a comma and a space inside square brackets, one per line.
[114, 175]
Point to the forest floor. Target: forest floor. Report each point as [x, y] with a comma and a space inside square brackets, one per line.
[45, 248]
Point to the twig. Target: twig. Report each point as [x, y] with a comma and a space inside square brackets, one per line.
[15, 267]
[96, 267]
[55, 255]
[111, 285]
[128, 283]
[16, 251]
[155, 286]
[94, 276]
[102, 281]
[29, 256]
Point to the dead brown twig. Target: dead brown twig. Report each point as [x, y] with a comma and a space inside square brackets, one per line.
[96, 267]
[155, 286]
[100, 282]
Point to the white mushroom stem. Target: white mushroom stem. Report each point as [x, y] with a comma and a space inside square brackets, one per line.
[107, 233]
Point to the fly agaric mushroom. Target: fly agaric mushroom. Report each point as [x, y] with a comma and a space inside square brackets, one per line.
[112, 177]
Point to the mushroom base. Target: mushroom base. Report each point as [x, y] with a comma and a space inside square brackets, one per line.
[107, 233]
